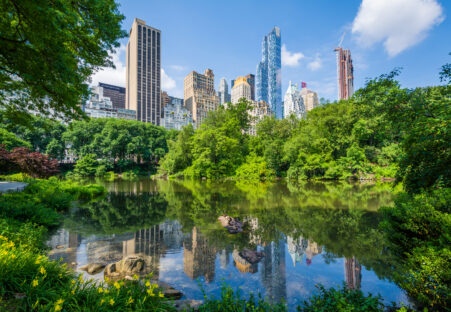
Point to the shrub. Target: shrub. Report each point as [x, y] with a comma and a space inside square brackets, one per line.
[231, 300]
[255, 168]
[34, 164]
[86, 166]
[10, 140]
[342, 300]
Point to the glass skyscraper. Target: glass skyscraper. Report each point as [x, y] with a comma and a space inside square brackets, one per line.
[269, 73]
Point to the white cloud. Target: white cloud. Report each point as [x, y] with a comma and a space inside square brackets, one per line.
[290, 58]
[178, 67]
[114, 76]
[400, 24]
[316, 64]
[167, 83]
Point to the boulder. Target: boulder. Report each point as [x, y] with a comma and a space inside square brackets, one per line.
[93, 268]
[134, 264]
[252, 256]
[187, 305]
[233, 225]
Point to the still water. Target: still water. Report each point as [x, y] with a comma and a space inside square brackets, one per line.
[310, 233]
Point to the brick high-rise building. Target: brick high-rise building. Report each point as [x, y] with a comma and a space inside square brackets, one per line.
[165, 100]
[345, 74]
[200, 95]
[144, 72]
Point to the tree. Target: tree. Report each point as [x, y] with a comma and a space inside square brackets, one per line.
[48, 51]
[10, 141]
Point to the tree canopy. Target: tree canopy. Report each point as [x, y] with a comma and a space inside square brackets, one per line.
[49, 50]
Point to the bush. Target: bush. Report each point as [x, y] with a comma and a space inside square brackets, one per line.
[255, 168]
[86, 166]
[231, 300]
[417, 229]
[342, 300]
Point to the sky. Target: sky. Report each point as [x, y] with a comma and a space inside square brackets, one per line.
[226, 36]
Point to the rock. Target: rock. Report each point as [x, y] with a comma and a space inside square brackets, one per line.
[19, 295]
[93, 268]
[252, 256]
[169, 291]
[187, 305]
[134, 264]
[233, 225]
[60, 246]
[74, 263]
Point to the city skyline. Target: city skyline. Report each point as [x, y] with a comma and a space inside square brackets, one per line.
[307, 46]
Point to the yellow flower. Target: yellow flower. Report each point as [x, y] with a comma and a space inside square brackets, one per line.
[34, 283]
[135, 277]
[73, 282]
[100, 290]
[147, 284]
[116, 284]
[106, 290]
[73, 292]
[102, 301]
[107, 279]
[57, 308]
[160, 295]
[13, 256]
[111, 302]
[60, 275]
[59, 301]
[37, 261]
[80, 277]
[130, 300]
[150, 292]
[42, 270]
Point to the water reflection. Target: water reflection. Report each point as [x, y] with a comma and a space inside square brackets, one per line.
[309, 234]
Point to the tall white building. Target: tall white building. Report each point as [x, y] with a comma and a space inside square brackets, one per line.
[241, 89]
[223, 92]
[100, 106]
[293, 102]
[176, 116]
[310, 99]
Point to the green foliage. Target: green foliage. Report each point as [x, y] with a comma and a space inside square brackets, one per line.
[418, 228]
[42, 199]
[234, 301]
[86, 166]
[342, 300]
[10, 141]
[255, 168]
[122, 144]
[48, 57]
[179, 155]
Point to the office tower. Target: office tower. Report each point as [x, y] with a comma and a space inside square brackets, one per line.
[251, 81]
[232, 83]
[293, 103]
[223, 92]
[115, 93]
[269, 73]
[353, 273]
[200, 96]
[310, 99]
[176, 116]
[345, 74]
[101, 106]
[144, 72]
[241, 89]
[273, 271]
[165, 100]
[198, 256]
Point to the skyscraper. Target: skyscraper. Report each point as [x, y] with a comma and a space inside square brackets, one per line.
[144, 72]
[223, 92]
[293, 102]
[251, 81]
[115, 93]
[345, 74]
[200, 95]
[241, 89]
[310, 99]
[269, 73]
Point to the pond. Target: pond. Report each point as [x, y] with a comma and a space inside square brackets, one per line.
[310, 233]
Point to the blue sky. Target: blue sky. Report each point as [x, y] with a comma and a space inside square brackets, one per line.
[226, 37]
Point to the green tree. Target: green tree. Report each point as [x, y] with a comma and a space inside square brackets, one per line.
[10, 140]
[48, 51]
[86, 166]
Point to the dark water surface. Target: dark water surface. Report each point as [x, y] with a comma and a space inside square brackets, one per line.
[310, 233]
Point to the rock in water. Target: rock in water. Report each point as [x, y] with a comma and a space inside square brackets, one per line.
[93, 268]
[233, 225]
[252, 256]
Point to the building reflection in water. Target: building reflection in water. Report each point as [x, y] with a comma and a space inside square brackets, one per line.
[274, 272]
[198, 256]
[65, 246]
[353, 273]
